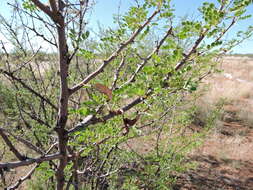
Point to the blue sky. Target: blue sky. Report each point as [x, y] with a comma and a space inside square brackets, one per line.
[104, 9]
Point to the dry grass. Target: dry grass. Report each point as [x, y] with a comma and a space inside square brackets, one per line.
[232, 138]
[234, 85]
[233, 141]
[239, 67]
[225, 159]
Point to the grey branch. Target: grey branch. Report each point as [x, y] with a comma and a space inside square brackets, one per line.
[116, 75]
[29, 174]
[114, 55]
[144, 62]
[29, 161]
[92, 119]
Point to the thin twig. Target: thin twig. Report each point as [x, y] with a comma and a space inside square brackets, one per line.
[24, 141]
[114, 54]
[29, 161]
[116, 75]
[145, 60]
[11, 146]
[9, 74]
[29, 174]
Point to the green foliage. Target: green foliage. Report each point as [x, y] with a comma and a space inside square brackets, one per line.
[76, 38]
[86, 54]
[43, 174]
[7, 101]
[28, 4]
[135, 17]
[146, 146]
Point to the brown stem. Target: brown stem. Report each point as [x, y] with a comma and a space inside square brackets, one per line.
[53, 5]
[11, 146]
[63, 103]
[92, 119]
[29, 174]
[44, 8]
[20, 81]
[29, 161]
[23, 141]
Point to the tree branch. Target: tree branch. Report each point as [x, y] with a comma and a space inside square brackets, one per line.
[114, 55]
[23, 141]
[29, 161]
[92, 119]
[22, 179]
[11, 146]
[29, 174]
[9, 74]
[116, 75]
[43, 7]
[144, 62]
[53, 5]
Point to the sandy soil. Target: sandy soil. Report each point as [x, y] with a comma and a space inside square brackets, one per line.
[225, 161]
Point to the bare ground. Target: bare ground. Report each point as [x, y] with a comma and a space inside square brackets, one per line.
[225, 161]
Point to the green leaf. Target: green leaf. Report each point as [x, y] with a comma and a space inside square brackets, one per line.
[84, 111]
[86, 54]
[149, 69]
[28, 5]
[85, 35]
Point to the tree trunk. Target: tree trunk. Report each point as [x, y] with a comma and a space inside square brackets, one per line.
[63, 104]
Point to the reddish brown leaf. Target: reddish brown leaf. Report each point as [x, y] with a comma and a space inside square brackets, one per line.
[128, 123]
[104, 89]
